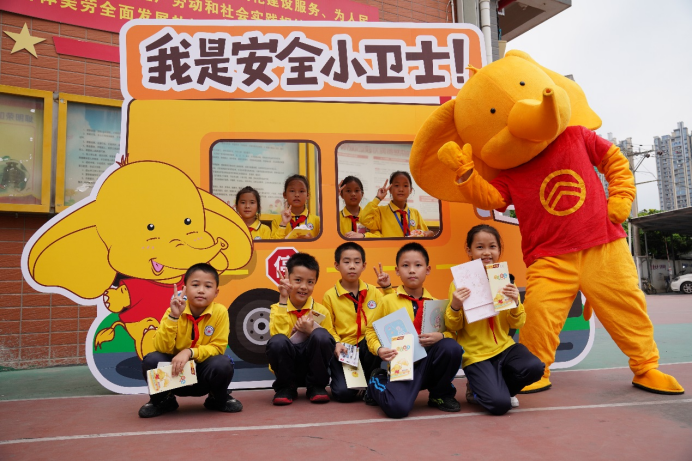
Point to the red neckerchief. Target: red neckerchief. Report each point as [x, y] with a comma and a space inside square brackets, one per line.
[405, 223]
[490, 324]
[251, 229]
[195, 330]
[299, 219]
[359, 311]
[418, 315]
[354, 220]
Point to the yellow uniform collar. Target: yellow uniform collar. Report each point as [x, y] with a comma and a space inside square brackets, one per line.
[290, 307]
[207, 310]
[342, 291]
[426, 294]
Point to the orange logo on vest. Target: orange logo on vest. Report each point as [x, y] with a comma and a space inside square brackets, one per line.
[560, 189]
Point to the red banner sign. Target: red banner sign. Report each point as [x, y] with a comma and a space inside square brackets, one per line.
[110, 15]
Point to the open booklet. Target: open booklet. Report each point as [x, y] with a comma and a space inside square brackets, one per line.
[161, 379]
[299, 231]
[394, 325]
[300, 337]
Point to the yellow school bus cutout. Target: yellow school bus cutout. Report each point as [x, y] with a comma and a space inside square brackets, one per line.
[287, 97]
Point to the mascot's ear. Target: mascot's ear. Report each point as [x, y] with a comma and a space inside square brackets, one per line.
[581, 113]
[72, 255]
[221, 221]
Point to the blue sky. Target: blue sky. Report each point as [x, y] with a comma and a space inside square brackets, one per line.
[633, 60]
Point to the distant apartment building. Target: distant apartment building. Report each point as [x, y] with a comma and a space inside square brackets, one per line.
[673, 156]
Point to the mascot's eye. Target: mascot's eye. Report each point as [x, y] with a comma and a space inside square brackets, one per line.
[150, 227]
[493, 110]
[522, 84]
[187, 221]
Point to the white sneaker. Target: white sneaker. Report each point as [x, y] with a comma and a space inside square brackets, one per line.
[514, 402]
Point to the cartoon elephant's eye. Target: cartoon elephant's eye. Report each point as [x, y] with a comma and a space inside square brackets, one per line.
[150, 227]
[522, 84]
[493, 110]
[187, 221]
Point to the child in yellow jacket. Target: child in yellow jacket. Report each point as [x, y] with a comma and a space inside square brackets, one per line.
[296, 194]
[197, 328]
[352, 304]
[351, 191]
[495, 366]
[436, 371]
[395, 219]
[248, 207]
[300, 363]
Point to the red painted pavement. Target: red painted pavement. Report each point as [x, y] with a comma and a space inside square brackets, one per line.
[650, 427]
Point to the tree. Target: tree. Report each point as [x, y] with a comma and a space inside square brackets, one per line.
[658, 243]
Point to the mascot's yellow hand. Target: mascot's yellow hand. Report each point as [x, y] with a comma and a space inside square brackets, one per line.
[619, 209]
[458, 160]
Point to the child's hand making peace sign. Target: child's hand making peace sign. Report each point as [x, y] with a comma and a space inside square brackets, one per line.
[383, 277]
[382, 192]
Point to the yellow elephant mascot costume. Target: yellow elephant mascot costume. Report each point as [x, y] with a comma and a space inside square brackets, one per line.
[520, 134]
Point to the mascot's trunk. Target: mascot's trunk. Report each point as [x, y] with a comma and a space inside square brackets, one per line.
[534, 120]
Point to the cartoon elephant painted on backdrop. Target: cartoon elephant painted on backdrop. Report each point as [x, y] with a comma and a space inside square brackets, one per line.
[521, 134]
[147, 225]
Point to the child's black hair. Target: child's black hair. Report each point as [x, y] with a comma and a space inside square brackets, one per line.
[205, 268]
[299, 178]
[305, 260]
[348, 246]
[350, 179]
[249, 189]
[486, 229]
[401, 172]
[412, 247]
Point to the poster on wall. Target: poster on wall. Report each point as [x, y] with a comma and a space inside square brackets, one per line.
[262, 165]
[373, 163]
[21, 132]
[92, 142]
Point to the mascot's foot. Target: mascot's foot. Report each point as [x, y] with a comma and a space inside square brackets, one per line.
[656, 381]
[542, 385]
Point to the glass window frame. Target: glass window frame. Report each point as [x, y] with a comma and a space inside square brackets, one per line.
[46, 152]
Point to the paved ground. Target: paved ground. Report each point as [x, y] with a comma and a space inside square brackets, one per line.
[592, 413]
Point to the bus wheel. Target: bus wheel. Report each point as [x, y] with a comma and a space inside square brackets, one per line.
[249, 324]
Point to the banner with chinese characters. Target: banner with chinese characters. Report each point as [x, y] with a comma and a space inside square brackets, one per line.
[111, 15]
[180, 60]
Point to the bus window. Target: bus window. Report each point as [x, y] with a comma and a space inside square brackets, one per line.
[265, 166]
[373, 163]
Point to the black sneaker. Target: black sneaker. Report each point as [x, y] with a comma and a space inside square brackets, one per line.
[284, 397]
[156, 409]
[368, 400]
[317, 395]
[230, 404]
[448, 404]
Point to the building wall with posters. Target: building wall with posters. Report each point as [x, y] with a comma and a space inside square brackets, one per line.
[38, 330]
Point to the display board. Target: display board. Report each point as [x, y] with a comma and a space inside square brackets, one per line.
[92, 142]
[373, 163]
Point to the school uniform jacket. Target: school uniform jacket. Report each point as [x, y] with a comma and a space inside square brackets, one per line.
[346, 224]
[485, 338]
[284, 317]
[389, 304]
[207, 335]
[260, 231]
[343, 311]
[385, 219]
[280, 232]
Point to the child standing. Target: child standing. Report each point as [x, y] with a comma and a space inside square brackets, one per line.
[248, 207]
[351, 190]
[437, 370]
[306, 363]
[495, 366]
[194, 327]
[352, 304]
[296, 194]
[395, 219]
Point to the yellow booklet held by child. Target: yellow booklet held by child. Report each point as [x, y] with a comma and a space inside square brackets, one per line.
[402, 367]
[161, 379]
[499, 277]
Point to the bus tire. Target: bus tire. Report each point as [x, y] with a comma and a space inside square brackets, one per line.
[249, 324]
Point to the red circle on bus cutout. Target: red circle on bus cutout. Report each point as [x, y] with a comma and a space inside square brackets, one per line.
[276, 263]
